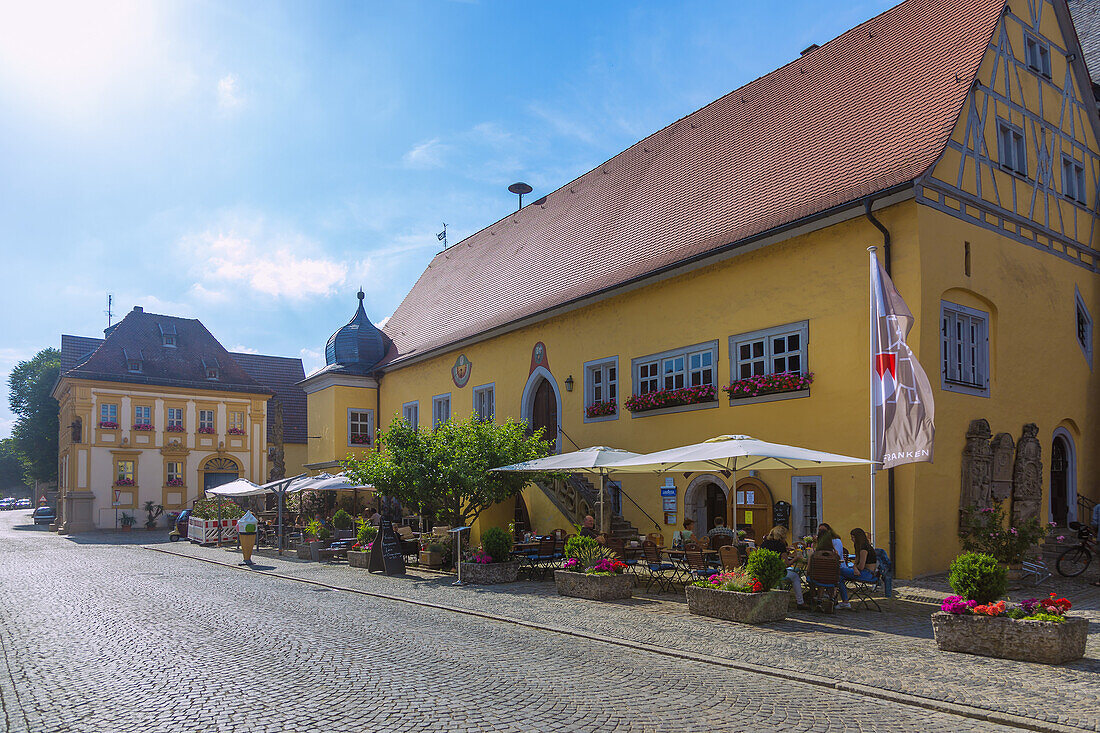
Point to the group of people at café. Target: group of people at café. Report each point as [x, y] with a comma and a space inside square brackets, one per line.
[861, 564]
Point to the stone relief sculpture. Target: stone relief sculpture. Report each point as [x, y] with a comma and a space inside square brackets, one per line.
[1027, 476]
[1003, 453]
[275, 451]
[977, 466]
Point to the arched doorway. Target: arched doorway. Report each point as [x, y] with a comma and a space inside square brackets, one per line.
[218, 471]
[754, 507]
[541, 405]
[1063, 479]
[704, 500]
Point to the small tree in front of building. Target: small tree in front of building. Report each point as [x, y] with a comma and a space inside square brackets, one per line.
[450, 467]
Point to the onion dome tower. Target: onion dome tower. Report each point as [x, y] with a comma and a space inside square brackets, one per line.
[358, 346]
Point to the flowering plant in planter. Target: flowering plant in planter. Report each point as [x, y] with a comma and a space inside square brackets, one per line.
[766, 384]
[671, 398]
[108, 425]
[175, 482]
[601, 409]
[481, 558]
[143, 426]
[1033, 609]
[174, 429]
[124, 482]
[359, 439]
[983, 530]
[607, 566]
[206, 430]
[235, 431]
[572, 563]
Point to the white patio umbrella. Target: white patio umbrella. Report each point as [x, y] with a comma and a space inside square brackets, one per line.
[239, 488]
[592, 460]
[279, 488]
[733, 453]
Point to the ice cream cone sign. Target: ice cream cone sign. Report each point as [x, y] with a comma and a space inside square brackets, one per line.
[246, 530]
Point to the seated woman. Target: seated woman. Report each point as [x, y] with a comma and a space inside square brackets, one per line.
[685, 535]
[863, 567]
[776, 541]
[827, 539]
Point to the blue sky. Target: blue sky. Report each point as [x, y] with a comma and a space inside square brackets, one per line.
[251, 164]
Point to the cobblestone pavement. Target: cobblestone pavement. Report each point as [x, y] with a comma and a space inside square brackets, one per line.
[102, 635]
[894, 650]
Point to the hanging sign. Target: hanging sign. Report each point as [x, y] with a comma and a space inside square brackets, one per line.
[748, 516]
[781, 514]
[385, 553]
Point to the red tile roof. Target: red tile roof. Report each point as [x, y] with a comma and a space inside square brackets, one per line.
[867, 111]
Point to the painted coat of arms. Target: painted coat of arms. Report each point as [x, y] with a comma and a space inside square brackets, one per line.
[460, 372]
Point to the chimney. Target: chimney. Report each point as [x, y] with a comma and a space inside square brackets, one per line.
[138, 309]
[810, 49]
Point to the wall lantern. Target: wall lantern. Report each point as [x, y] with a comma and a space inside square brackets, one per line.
[569, 383]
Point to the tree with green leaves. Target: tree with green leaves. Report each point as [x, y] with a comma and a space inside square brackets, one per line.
[449, 467]
[35, 434]
[11, 466]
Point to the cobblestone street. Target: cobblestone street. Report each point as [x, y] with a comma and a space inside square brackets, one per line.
[101, 634]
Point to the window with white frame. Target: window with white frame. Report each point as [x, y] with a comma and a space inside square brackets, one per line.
[175, 417]
[601, 384]
[676, 369]
[108, 413]
[143, 415]
[1084, 327]
[805, 505]
[360, 427]
[206, 420]
[411, 412]
[441, 409]
[235, 420]
[777, 350]
[1038, 54]
[1011, 148]
[484, 402]
[1073, 179]
[964, 336]
[175, 473]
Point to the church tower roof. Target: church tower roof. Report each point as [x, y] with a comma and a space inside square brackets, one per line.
[357, 346]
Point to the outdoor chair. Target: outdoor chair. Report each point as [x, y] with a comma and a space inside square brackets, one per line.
[727, 555]
[704, 542]
[719, 541]
[859, 591]
[697, 565]
[656, 538]
[689, 545]
[547, 556]
[823, 578]
[660, 572]
[618, 549]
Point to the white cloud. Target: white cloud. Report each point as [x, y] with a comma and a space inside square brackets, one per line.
[383, 322]
[563, 124]
[241, 349]
[312, 360]
[229, 92]
[428, 154]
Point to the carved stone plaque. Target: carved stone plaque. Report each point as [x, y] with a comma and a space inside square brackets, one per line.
[1027, 476]
[977, 466]
[1003, 455]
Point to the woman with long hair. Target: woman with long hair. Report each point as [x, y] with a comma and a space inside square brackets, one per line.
[862, 567]
[827, 539]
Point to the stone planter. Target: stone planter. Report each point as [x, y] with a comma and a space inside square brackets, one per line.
[745, 608]
[594, 587]
[357, 559]
[303, 551]
[1045, 642]
[431, 559]
[315, 548]
[490, 573]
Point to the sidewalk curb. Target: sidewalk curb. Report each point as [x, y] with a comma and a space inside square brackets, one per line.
[966, 711]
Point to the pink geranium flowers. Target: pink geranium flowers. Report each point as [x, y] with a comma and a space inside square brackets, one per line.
[765, 384]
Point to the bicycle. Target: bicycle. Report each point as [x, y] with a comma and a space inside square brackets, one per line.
[1075, 560]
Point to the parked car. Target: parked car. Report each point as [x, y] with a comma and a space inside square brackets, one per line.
[23, 504]
[180, 530]
[44, 515]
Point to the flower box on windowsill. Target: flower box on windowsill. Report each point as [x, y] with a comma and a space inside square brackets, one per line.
[766, 385]
[359, 439]
[108, 425]
[175, 429]
[235, 431]
[601, 409]
[124, 482]
[672, 398]
[175, 482]
[144, 427]
[206, 431]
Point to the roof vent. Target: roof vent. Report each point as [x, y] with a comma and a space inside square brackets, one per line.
[810, 49]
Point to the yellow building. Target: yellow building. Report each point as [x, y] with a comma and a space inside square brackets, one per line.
[960, 138]
[159, 411]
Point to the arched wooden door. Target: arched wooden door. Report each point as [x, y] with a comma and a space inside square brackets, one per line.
[754, 507]
[544, 412]
[1059, 481]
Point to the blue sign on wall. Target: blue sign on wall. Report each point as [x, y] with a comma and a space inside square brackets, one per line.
[669, 492]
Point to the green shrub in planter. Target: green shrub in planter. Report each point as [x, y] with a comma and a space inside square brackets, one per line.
[318, 531]
[367, 533]
[342, 520]
[584, 549]
[767, 567]
[978, 577]
[497, 543]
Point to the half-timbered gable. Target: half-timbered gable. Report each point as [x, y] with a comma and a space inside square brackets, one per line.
[1023, 158]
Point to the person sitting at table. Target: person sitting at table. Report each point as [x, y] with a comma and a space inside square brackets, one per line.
[376, 518]
[720, 528]
[687, 534]
[776, 541]
[827, 539]
[589, 527]
[863, 566]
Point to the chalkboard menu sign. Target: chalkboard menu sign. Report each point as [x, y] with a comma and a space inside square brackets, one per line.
[385, 554]
[781, 514]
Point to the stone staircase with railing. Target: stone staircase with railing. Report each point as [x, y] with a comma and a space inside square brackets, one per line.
[576, 497]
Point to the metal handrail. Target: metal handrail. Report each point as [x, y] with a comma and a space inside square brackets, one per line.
[643, 511]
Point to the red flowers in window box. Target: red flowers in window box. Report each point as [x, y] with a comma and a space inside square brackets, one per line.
[235, 431]
[175, 482]
[601, 409]
[174, 428]
[124, 482]
[108, 425]
[768, 384]
[206, 430]
[360, 439]
[671, 398]
[143, 426]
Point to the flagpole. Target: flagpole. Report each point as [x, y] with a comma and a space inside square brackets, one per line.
[871, 379]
